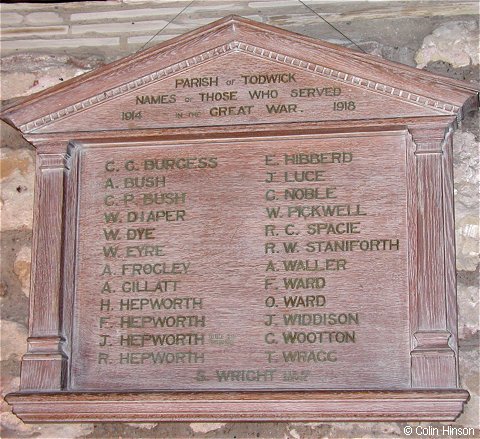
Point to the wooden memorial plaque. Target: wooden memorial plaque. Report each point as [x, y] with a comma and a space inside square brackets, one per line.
[243, 224]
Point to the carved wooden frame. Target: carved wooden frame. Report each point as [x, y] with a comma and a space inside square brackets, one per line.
[434, 393]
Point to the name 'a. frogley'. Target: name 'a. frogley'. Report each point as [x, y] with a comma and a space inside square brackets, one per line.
[155, 269]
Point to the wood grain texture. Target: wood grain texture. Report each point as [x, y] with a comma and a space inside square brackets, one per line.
[225, 224]
[70, 208]
[449, 230]
[50, 142]
[90, 138]
[233, 64]
[44, 364]
[434, 362]
[112, 79]
[240, 406]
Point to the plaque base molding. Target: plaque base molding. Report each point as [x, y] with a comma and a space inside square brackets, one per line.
[399, 405]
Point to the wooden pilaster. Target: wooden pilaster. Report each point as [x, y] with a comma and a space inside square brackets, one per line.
[44, 364]
[434, 357]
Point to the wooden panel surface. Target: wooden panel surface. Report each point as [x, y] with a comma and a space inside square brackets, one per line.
[444, 95]
[239, 88]
[400, 405]
[276, 263]
[245, 222]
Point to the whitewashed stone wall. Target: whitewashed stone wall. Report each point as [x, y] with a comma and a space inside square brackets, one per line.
[126, 25]
[44, 44]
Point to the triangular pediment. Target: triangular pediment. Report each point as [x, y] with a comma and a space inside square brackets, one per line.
[236, 71]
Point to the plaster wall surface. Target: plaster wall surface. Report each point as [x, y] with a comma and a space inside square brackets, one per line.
[43, 44]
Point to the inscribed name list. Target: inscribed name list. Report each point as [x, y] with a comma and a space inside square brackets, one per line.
[251, 264]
